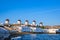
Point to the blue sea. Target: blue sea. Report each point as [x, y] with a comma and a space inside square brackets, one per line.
[38, 37]
[5, 33]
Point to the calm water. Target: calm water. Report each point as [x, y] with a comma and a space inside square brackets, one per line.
[38, 37]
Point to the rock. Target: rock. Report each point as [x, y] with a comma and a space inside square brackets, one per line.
[4, 33]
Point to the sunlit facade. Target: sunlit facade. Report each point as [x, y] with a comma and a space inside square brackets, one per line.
[19, 22]
[7, 21]
[26, 22]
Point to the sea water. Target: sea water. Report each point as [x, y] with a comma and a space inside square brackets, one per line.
[38, 37]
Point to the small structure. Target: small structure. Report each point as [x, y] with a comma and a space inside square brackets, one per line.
[19, 22]
[51, 30]
[19, 29]
[7, 21]
[40, 24]
[26, 23]
[33, 23]
[33, 28]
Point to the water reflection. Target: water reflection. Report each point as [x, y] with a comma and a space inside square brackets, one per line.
[39, 37]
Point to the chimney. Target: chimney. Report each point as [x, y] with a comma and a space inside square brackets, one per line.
[40, 24]
[7, 21]
[19, 22]
[26, 22]
[34, 23]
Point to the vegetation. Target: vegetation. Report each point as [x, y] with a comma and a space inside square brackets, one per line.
[42, 27]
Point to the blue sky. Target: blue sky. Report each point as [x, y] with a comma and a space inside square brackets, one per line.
[47, 11]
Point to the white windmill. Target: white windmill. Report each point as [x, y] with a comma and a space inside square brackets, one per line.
[33, 28]
[26, 22]
[19, 22]
[18, 26]
[7, 21]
